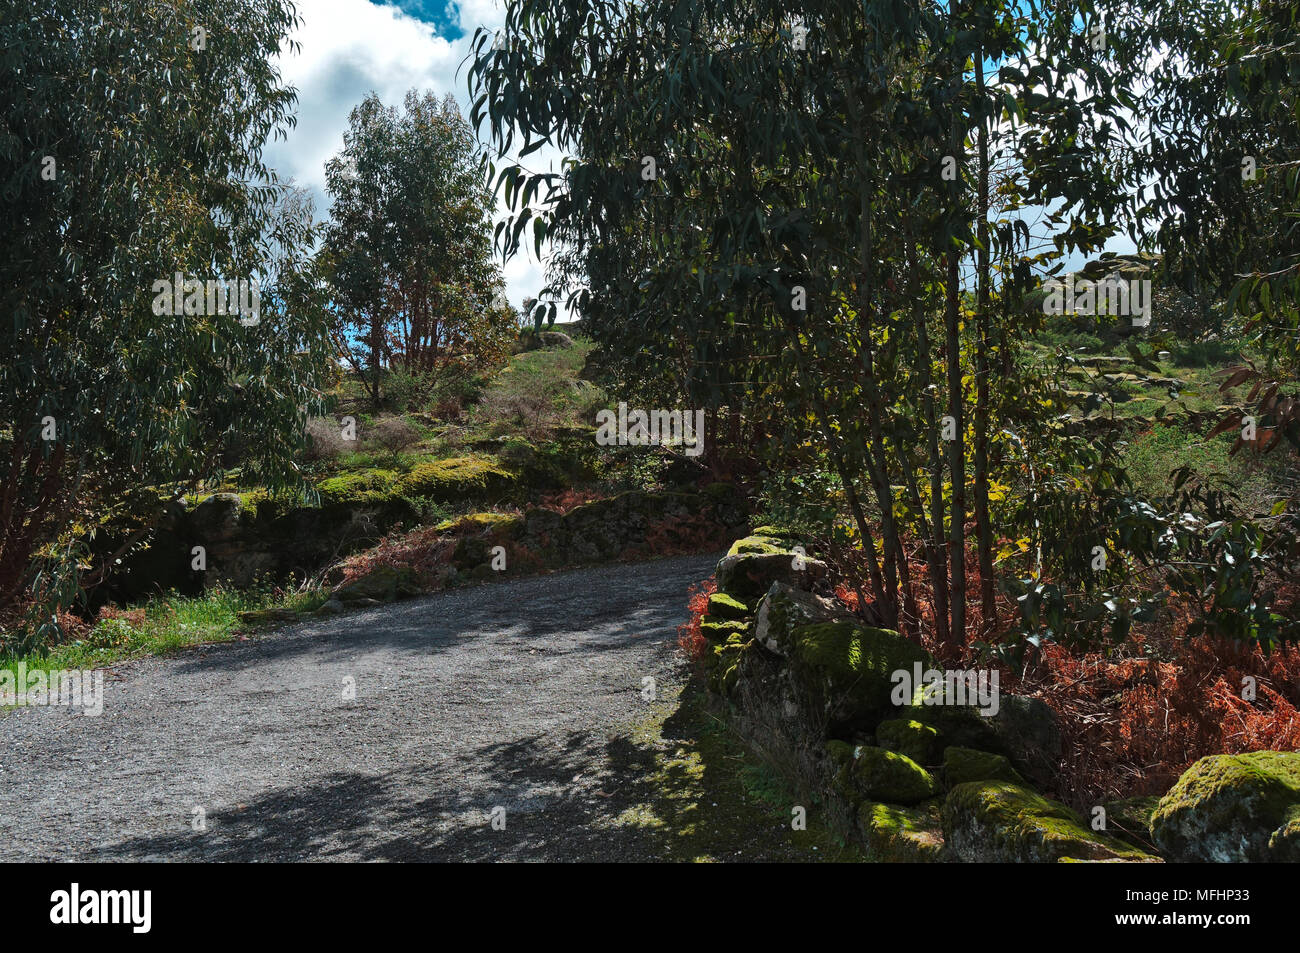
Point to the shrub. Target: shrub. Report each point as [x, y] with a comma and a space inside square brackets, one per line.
[406, 389]
[517, 454]
[394, 434]
[324, 439]
[689, 636]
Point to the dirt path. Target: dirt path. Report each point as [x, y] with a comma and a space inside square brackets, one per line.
[522, 695]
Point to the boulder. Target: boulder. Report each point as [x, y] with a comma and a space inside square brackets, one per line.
[1023, 729]
[330, 607]
[456, 479]
[555, 339]
[784, 608]
[1000, 821]
[908, 737]
[747, 575]
[1233, 808]
[867, 773]
[961, 765]
[381, 584]
[903, 835]
[723, 606]
[848, 668]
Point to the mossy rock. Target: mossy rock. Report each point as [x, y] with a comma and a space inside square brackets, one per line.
[784, 608]
[456, 479]
[1023, 729]
[1232, 808]
[758, 544]
[749, 575]
[725, 669]
[911, 738]
[962, 765]
[259, 506]
[999, 821]
[961, 726]
[217, 517]
[903, 835]
[850, 666]
[723, 606]
[382, 584]
[719, 630]
[1285, 841]
[498, 523]
[876, 774]
[357, 488]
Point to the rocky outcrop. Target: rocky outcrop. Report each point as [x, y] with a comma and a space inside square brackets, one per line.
[1003, 821]
[1232, 808]
[784, 609]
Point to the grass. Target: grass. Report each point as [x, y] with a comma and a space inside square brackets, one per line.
[171, 623]
[536, 393]
[1154, 453]
[706, 799]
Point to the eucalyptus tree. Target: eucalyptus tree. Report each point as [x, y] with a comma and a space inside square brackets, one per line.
[1219, 150]
[132, 154]
[809, 205]
[408, 248]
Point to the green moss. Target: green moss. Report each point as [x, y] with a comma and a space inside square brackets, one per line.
[761, 545]
[724, 606]
[456, 478]
[959, 725]
[911, 738]
[360, 486]
[1000, 821]
[728, 658]
[853, 664]
[903, 835]
[719, 630]
[881, 775]
[1284, 843]
[1228, 807]
[479, 522]
[961, 765]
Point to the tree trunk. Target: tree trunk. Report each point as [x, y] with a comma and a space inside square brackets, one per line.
[988, 606]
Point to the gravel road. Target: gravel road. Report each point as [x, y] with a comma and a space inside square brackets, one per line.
[518, 695]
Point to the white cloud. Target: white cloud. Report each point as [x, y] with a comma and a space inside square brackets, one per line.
[348, 48]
